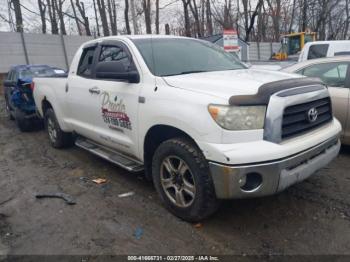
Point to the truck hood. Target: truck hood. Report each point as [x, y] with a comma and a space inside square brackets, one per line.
[225, 84]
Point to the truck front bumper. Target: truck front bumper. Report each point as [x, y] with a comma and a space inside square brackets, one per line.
[267, 178]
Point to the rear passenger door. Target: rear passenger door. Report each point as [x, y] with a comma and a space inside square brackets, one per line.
[81, 95]
[335, 75]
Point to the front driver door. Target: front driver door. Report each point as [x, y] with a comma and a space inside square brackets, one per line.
[116, 113]
[334, 75]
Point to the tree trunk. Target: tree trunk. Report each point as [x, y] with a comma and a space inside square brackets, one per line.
[194, 10]
[81, 8]
[292, 17]
[126, 17]
[147, 11]
[96, 19]
[252, 20]
[76, 19]
[18, 15]
[58, 6]
[167, 29]
[157, 17]
[42, 10]
[133, 16]
[102, 9]
[111, 13]
[187, 18]
[52, 15]
[209, 18]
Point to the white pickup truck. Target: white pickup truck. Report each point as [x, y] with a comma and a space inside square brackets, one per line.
[193, 118]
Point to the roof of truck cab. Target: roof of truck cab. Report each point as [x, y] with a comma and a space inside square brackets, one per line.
[134, 37]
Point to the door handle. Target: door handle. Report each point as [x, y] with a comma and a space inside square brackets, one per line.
[94, 90]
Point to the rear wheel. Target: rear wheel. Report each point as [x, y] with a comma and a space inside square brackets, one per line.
[182, 179]
[58, 138]
[8, 109]
[24, 124]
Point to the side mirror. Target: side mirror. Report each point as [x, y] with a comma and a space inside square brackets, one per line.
[115, 70]
[9, 83]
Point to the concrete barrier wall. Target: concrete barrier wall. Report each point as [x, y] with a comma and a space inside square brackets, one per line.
[57, 50]
[54, 50]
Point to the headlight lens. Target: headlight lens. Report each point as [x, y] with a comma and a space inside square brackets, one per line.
[238, 117]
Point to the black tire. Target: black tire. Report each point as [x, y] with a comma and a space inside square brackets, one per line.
[57, 137]
[24, 124]
[204, 203]
[8, 109]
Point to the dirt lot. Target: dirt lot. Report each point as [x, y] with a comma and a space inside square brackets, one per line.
[310, 218]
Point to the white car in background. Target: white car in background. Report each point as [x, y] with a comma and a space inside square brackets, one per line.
[335, 73]
[321, 49]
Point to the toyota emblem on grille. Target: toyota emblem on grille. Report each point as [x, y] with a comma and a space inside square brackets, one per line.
[312, 115]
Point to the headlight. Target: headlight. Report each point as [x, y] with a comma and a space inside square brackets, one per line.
[238, 117]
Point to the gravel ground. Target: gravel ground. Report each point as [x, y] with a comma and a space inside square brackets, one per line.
[309, 218]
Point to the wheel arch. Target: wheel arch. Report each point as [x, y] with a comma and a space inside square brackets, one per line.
[156, 135]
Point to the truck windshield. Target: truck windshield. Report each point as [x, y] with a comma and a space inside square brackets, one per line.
[176, 56]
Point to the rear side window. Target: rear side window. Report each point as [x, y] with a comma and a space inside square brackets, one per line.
[333, 74]
[318, 51]
[86, 62]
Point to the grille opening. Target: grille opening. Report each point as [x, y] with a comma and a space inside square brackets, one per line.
[295, 118]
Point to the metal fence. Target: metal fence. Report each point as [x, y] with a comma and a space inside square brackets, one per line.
[262, 50]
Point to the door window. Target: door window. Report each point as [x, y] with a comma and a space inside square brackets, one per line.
[333, 74]
[115, 54]
[86, 62]
[317, 51]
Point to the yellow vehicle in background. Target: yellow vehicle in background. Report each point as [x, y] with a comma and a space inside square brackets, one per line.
[293, 43]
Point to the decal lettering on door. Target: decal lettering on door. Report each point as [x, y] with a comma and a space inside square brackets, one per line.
[114, 112]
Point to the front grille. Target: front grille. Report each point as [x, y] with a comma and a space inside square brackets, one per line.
[296, 118]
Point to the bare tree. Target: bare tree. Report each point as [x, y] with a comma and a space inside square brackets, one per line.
[58, 4]
[96, 18]
[102, 9]
[85, 22]
[126, 17]
[76, 19]
[186, 4]
[18, 15]
[146, 4]
[112, 12]
[52, 16]
[275, 10]
[42, 11]
[157, 17]
[133, 15]
[249, 21]
[209, 18]
[195, 13]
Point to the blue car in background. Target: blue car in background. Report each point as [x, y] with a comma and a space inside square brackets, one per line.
[18, 92]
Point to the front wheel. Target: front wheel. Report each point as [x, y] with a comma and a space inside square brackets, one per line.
[58, 138]
[182, 179]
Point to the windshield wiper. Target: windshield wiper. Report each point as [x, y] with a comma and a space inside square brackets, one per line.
[187, 72]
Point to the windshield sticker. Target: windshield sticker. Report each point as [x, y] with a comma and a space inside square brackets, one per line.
[114, 112]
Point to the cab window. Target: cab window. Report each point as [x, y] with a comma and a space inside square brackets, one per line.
[318, 51]
[86, 62]
[333, 74]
